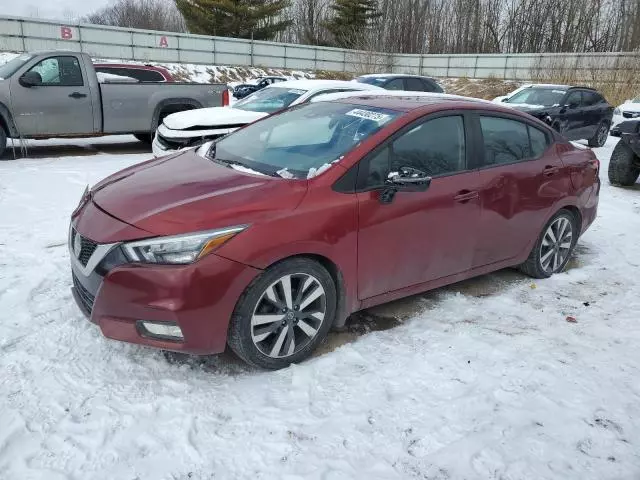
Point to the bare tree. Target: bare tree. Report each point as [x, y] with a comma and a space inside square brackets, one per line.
[144, 14]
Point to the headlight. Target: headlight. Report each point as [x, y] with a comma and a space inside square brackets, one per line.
[617, 111]
[83, 199]
[180, 249]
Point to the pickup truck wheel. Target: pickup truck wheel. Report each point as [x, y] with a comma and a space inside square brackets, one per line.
[3, 144]
[623, 166]
[284, 314]
[554, 246]
[144, 137]
[600, 137]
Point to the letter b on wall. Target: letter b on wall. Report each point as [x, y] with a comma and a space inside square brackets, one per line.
[164, 42]
[66, 33]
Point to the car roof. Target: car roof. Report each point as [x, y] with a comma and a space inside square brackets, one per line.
[312, 84]
[407, 101]
[551, 86]
[394, 75]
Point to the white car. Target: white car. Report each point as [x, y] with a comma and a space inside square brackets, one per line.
[506, 97]
[629, 110]
[194, 127]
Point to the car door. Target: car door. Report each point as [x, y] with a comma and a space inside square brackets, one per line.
[61, 104]
[595, 111]
[413, 237]
[522, 178]
[572, 119]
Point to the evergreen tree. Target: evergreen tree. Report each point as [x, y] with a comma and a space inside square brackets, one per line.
[235, 18]
[351, 18]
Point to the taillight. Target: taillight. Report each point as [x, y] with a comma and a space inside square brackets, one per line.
[225, 97]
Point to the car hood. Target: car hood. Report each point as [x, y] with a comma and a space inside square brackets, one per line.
[211, 117]
[187, 193]
[525, 107]
[630, 107]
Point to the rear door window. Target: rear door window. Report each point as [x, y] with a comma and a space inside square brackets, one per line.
[505, 141]
[574, 99]
[395, 84]
[414, 84]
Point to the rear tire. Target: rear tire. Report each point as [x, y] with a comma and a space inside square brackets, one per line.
[554, 246]
[284, 314]
[600, 137]
[623, 169]
[145, 138]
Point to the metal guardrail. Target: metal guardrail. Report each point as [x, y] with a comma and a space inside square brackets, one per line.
[26, 34]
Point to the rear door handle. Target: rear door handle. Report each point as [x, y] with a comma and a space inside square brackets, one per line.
[77, 95]
[549, 170]
[464, 196]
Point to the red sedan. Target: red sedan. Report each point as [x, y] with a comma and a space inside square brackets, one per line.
[269, 237]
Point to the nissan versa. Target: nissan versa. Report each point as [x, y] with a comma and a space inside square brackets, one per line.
[269, 237]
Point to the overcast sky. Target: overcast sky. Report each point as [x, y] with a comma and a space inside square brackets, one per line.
[53, 9]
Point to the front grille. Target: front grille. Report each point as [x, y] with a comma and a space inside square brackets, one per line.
[84, 295]
[87, 247]
[630, 114]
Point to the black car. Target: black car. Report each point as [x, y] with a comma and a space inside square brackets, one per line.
[412, 83]
[576, 112]
[245, 89]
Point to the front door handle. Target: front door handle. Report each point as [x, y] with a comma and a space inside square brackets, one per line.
[464, 196]
[77, 95]
[550, 170]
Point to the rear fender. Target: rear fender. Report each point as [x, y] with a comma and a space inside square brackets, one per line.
[171, 104]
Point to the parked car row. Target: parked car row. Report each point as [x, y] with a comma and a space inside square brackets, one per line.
[189, 129]
[309, 200]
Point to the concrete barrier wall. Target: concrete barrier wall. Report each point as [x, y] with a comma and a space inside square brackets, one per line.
[25, 34]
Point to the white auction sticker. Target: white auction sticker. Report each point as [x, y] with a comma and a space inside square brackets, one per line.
[368, 115]
[296, 91]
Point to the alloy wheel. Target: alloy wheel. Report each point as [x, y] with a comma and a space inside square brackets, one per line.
[288, 315]
[602, 134]
[556, 245]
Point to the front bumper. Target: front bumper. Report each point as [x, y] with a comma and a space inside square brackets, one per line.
[199, 298]
[167, 141]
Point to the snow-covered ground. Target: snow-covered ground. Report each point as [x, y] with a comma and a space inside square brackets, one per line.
[492, 386]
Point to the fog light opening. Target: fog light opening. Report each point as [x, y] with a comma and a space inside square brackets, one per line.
[161, 330]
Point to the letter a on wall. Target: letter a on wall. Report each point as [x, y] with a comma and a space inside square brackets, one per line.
[163, 42]
[66, 33]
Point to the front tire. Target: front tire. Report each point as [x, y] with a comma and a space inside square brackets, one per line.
[3, 143]
[554, 247]
[284, 314]
[623, 169]
[145, 138]
[600, 137]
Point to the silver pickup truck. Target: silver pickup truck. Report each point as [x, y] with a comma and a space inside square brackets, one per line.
[57, 94]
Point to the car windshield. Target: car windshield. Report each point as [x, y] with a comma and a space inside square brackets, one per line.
[277, 145]
[269, 100]
[377, 81]
[12, 66]
[545, 97]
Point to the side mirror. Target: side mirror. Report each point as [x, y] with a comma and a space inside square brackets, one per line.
[505, 99]
[30, 79]
[409, 179]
